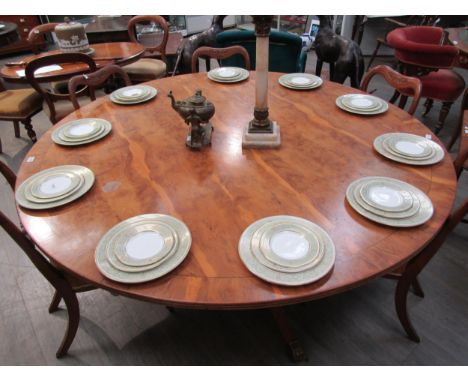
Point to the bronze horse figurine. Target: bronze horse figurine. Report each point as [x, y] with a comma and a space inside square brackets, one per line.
[343, 55]
[188, 46]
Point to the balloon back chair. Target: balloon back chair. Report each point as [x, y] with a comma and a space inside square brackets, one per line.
[66, 286]
[220, 54]
[421, 54]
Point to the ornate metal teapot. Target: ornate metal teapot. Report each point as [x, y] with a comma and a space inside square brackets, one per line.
[196, 112]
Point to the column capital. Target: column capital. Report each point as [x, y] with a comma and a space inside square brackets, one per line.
[262, 25]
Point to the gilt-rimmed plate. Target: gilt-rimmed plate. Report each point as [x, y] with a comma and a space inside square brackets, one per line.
[321, 269]
[152, 92]
[423, 214]
[84, 172]
[300, 81]
[381, 109]
[82, 129]
[380, 146]
[163, 267]
[58, 136]
[243, 75]
[294, 261]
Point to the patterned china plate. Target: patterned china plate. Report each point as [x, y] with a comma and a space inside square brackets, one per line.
[84, 172]
[165, 266]
[300, 81]
[243, 75]
[133, 101]
[423, 214]
[59, 137]
[381, 148]
[382, 109]
[361, 102]
[286, 278]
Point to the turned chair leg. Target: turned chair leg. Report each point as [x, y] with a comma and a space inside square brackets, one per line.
[443, 114]
[73, 310]
[428, 105]
[17, 128]
[53, 307]
[29, 130]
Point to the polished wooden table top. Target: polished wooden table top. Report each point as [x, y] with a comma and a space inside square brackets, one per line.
[120, 53]
[143, 166]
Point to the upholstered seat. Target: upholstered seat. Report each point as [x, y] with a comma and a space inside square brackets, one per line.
[421, 54]
[443, 85]
[19, 102]
[19, 105]
[148, 67]
[63, 108]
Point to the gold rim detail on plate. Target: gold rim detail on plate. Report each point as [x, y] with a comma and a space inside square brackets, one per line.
[84, 172]
[307, 276]
[424, 206]
[381, 148]
[165, 266]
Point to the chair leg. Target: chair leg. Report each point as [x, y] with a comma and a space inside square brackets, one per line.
[53, 307]
[417, 289]
[29, 130]
[73, 310]
[373, 55]
[17, 128]
[453, 138]
[443, 114]
[401, 295]
[318, 68]
[428, 105]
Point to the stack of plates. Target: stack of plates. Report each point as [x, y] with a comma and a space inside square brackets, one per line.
[143, 248]
[54, 187]
[81, 131]
[287, 250]
[300, 81]
[131, 95]
[363, 104]
[389, 201]
[228, 74]
[409, 149]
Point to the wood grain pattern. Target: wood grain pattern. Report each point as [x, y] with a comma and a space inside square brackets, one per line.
[143, 166]
[119, 53]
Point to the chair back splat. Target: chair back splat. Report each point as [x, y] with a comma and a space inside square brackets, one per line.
[93, 80]
[404, 85]
[220, 54]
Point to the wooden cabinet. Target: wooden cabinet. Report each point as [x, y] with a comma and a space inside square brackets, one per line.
[25, 24]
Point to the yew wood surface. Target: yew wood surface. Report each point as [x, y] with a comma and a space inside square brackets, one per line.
[143, 166]
[119, 53]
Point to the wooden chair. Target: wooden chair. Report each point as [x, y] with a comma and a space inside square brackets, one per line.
[37, 32]
[147, 69]
[66, 286]
[19, 105]
[93, 80]
[417, 264]
[404, 85]
[421, 54]
[463, 123]
[219, 54]
[412, 20]
[460, 162]
[57, 105]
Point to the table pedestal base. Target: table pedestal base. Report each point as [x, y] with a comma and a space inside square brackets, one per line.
[262, 140]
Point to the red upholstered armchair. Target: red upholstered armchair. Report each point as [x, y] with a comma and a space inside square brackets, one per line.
[421, 54]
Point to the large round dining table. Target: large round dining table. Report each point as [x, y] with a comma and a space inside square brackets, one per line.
[144, 167]
[118, 53]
